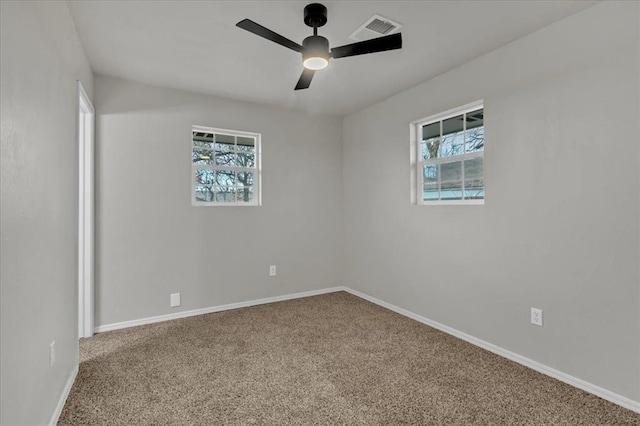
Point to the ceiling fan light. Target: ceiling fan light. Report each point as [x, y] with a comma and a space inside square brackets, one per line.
[315, 52]
[315, 63]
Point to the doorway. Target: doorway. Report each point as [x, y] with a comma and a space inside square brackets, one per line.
[86, 145]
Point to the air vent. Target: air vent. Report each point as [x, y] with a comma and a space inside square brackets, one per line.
[381, 27]
[376, 26]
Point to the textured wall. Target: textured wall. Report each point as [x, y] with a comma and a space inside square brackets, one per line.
[40, 63]
[151, 242]
[559, 229]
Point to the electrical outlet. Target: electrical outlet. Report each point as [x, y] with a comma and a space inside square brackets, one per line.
[52, 353]
[175, 300]
[536, 316]
[272, 270]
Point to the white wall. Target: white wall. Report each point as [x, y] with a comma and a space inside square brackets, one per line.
[559, 229]
[40, 62]
[151, 242]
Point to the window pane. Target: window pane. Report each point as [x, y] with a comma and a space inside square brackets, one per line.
[245, 179]
[202, 145]
[204, 176]
[431, 131]
[431, 140]
[432, 148]
[225, 195]
[430, 191]
[224, 158]
[430, 173]
[475, 139]
[451, 191]
[245, 159]
[475, 131]
[204, 193]
[246, 144]
[225, 178]
[473, 168]
[201, 156]
[202, 140]
[451, 171]
[225, 142]
[474, 189]
[245, 195]
[452, 137]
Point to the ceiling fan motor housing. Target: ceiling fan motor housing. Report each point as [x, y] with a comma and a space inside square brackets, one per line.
[315, 46]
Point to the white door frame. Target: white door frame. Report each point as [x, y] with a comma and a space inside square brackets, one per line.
[86, 145]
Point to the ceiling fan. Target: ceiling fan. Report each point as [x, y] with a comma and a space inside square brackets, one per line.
[315, 49]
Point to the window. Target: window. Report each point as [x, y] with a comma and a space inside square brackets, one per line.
[225, 167]
[450, 157]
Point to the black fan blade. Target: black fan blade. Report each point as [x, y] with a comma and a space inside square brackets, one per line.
[305, 79]
[257, 29]
[390, 42]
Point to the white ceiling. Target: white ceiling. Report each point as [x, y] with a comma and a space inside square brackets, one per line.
[195, 45]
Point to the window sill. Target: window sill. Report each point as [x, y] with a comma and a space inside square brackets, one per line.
[452, 203]
[205, 204]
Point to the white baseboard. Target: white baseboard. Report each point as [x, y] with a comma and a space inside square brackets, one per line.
[552, 372]
[64, 396]
[185, 314]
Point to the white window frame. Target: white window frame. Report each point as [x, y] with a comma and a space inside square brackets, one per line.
[257, 170]
[416, 139]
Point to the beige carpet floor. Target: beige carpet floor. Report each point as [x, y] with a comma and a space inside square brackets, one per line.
[330, 359]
